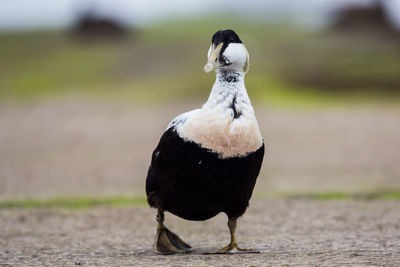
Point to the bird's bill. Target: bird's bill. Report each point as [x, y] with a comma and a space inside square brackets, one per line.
[212, 58]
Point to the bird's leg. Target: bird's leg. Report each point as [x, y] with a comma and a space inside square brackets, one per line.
[167, 242]
[233, 245]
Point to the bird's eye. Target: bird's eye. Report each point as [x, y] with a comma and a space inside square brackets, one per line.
[231, 39]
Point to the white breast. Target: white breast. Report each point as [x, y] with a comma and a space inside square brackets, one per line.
[214, 126]
[218, 131]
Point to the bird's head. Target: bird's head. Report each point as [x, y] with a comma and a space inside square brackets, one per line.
[227, 52]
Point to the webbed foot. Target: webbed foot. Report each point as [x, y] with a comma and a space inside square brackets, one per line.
[166, 241]
[233, 248]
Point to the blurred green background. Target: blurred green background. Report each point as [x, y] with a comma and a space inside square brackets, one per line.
[354, 54]
[327, 95]
[286, 62]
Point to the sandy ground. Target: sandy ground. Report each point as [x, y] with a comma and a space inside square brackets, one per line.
[98, 148]
[83, 148]
[287, 232]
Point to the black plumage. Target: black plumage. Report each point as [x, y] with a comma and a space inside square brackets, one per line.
[194, 183]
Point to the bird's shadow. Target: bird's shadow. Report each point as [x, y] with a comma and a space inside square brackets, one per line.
[196, 251]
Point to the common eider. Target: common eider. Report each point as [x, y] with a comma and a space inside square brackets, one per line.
[208, 159]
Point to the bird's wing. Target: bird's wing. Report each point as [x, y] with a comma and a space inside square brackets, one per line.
[168, 158]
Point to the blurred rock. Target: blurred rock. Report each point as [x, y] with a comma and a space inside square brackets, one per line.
[89, 25]
[365, 19]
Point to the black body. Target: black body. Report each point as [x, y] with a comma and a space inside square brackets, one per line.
[194, 183]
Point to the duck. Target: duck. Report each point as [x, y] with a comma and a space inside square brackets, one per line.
[208, 159]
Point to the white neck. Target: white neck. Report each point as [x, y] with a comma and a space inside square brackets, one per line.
[229, 85]
[226, 123]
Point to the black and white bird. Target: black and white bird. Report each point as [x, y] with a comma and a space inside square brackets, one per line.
[208, 159]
